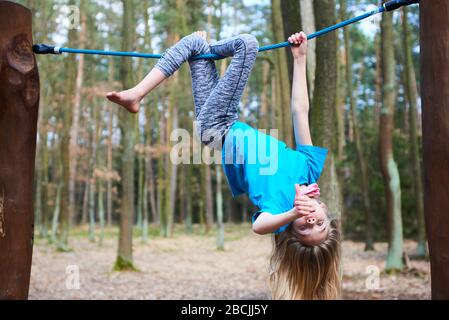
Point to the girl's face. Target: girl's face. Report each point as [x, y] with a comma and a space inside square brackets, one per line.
[313, 228]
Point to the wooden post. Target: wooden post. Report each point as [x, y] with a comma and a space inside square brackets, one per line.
[19, 104]
[434, 36]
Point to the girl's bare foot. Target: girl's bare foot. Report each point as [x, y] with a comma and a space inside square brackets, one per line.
[127, 99]
[130, 99]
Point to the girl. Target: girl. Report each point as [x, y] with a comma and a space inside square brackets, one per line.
[305, 259]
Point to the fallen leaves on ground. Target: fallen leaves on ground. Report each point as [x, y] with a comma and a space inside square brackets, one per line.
[189, 267]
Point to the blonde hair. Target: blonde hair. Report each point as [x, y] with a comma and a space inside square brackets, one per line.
[300, 272]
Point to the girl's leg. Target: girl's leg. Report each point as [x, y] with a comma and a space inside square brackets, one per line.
[130, 99]
[220, 109]
[170, 62]
[204, 75]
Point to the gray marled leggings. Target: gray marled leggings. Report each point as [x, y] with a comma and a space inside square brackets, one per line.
[216, 100]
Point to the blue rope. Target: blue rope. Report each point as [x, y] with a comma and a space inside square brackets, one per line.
[218, 57]
[389, 6]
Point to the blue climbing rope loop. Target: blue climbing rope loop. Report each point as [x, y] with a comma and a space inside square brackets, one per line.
[386, 7]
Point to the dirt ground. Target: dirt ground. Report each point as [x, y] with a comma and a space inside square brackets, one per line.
[189, 267]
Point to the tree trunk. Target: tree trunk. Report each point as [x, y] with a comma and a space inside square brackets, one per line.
[411, 92]
[100, 214]
[378, 105]
[165, 175]
[145, 214]
[91, 196]
[45, 198]
[85, 202]
[38, 198]
[40, 185]
[340, 108]
[140, 190]
[109, 155]
[76, 116]
[434, 38]
[369, 243]
[45, 182]
[149, 192]
[188, 199]
[42, 174]
[173, 177]
[56, 213]
[308, 26]
[109, 168]
[100, 163]
[146, 161]
[127, 123]
[388, 165]
[90, 180]
[152, 191]
[291, 20]
[323, 116]
[161, 180]
[94, 161]
[182, 195]
[170, 167]
[273, 110]
[365, 183]
[150, 179]
[19, 108]
[65, 214]
[208, 192]
[263, 118]
[219, 200]
[283, 84]
[340, 116]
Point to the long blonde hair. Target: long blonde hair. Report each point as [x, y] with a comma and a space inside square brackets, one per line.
[300, 272]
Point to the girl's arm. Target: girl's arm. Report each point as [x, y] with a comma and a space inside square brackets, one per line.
[269, 223]
[300, 97]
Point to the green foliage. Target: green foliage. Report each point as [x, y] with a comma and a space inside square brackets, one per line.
[122, 264]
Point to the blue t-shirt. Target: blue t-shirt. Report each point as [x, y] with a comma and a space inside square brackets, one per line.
[266, 169]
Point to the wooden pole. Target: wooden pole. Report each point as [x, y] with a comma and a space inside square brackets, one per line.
[434, 34]
[19, 104]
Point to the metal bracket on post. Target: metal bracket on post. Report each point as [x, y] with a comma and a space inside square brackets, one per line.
[396, 4]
